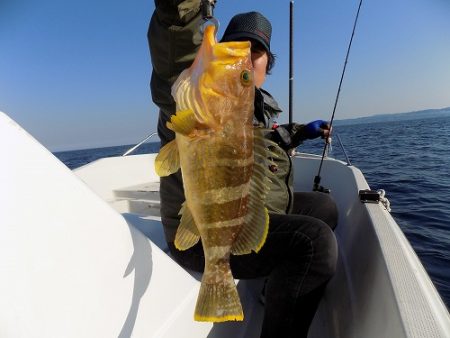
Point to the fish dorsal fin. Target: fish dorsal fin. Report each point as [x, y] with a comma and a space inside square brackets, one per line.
[187, 233]
[256, 224]
[167, 162]
[183, 122]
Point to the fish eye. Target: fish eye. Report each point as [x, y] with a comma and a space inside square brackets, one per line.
[246, 77]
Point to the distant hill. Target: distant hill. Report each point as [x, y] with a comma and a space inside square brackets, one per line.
[415, 115]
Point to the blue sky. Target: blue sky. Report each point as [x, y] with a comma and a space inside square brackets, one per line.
[76, 74]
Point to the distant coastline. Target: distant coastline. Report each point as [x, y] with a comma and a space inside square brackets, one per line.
[415, 115]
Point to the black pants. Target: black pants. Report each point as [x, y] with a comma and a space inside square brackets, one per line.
[298, 258]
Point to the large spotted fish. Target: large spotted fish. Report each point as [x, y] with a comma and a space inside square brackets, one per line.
[222, 159]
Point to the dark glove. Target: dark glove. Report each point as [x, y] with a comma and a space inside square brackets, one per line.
[208, 8]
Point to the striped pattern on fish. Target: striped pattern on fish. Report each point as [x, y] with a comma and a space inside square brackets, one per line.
[223, 163]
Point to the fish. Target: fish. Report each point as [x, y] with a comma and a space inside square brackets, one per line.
[223, 161]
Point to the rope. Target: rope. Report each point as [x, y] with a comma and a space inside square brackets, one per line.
[384, 200]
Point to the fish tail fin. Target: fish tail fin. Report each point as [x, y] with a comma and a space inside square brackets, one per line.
[218, 302]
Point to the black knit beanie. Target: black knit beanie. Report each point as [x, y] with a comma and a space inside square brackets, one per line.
[251, 25]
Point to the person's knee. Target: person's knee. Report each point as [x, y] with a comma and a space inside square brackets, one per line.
[329, 209]
[326, 252]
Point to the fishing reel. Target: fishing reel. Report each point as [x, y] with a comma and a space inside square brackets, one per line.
[318, 187]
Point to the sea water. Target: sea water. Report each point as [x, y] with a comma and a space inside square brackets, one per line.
[410, 160]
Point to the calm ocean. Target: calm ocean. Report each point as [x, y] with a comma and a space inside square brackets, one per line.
[410, 160]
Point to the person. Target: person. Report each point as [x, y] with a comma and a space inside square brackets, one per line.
[300, 253]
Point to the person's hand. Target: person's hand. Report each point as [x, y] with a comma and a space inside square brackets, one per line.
[315, 129]
[207, 7]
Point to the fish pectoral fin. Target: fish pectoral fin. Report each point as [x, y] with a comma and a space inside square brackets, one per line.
[167, 162]
[256, 223]
[187, 234]
[183, 122]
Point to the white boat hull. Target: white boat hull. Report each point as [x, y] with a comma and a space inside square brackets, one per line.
[83, 255]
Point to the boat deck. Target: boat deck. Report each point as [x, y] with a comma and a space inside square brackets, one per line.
[140, 206]
[362, 279]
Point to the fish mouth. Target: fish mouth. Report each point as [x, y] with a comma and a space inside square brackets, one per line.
[238, 49]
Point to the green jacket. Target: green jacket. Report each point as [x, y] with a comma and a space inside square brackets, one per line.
[174, 38]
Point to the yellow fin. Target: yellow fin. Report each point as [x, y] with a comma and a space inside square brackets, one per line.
[256, 225]
[219, 302]
[183, 122]
[254, 232]
[167, 161]
[187, 233]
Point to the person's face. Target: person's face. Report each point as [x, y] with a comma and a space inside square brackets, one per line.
[259, 61]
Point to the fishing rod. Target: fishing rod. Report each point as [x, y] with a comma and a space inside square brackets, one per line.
[291, 59]
[317, 186]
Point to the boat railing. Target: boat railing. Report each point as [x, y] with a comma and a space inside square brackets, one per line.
[129, 151]
[343, 149]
